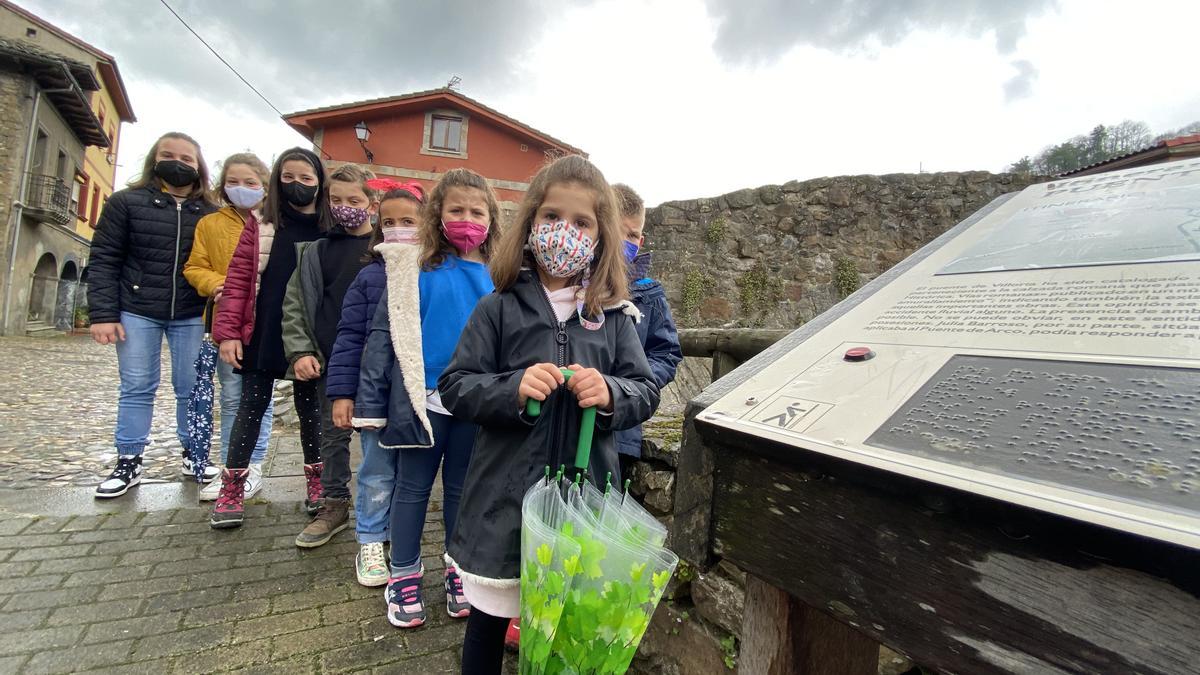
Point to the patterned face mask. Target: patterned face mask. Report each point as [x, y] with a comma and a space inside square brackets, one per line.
[349, 217]
[561, 249]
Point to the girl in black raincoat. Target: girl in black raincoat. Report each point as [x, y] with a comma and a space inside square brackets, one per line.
[561, 300]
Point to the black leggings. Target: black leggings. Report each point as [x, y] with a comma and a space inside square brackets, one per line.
[483, 645]
[257, 387]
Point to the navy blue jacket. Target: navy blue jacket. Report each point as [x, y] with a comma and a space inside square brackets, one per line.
[358, 310]
[381, 391]
[659, 339]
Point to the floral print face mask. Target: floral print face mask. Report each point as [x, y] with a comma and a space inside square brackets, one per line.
[561, 249]
[349, 217]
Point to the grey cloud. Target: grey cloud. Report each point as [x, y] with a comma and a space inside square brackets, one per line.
[306, 53]
[755, 31]
[1020, 85]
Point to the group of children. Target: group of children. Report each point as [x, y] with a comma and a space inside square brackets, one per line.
[318, 290]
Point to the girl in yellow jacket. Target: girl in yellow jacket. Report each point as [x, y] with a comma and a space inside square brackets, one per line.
[243, 176]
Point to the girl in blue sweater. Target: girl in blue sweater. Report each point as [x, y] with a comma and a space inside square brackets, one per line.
[397, 392]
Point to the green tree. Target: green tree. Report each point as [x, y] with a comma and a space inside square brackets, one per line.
[1022, 166]
[1126, 137]
[1101, 143]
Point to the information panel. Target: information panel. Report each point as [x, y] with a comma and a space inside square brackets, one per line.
[1046, 354]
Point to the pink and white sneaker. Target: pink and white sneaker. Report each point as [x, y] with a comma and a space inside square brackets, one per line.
[404, 606]
[456, 603]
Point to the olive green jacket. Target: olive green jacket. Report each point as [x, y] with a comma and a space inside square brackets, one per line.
[300, 306]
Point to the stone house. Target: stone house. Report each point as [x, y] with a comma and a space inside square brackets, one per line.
[61, 105]
[423, 134]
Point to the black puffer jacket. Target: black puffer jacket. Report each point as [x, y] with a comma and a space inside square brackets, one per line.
[141, 243]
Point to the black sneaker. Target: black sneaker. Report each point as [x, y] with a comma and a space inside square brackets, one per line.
[189, 471]
[127, 474]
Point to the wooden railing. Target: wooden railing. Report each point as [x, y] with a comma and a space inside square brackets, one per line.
[728, 347]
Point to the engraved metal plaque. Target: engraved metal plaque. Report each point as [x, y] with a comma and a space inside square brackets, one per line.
[1118, 429]
[986, 345]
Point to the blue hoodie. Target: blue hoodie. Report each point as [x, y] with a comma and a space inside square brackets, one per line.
[659, 338]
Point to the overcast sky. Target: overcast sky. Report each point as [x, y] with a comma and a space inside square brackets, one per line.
[680, 99]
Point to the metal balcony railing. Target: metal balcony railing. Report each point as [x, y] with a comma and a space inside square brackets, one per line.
[47, 198]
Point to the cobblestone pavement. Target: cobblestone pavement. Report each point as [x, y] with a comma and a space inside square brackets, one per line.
[160, 592]
[114, 589]
[58, 410]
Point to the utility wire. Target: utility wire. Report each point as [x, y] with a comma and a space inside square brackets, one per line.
[232, 69]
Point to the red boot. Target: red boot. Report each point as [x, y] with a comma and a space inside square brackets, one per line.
[312, 476]
[229, 509]
[512, 638]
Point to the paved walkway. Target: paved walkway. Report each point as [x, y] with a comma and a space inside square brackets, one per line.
[141, 584]
[133, 591]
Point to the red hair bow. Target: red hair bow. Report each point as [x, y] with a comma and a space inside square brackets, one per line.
[385, 185]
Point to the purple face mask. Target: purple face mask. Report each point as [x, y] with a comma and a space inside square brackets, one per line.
[465, 235]
[349, 217]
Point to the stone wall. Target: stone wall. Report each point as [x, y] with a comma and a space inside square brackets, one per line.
[773, 257]
[14, 136]
[778, 255]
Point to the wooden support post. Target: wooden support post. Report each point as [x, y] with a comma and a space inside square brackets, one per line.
[723, 363]
[783, 636]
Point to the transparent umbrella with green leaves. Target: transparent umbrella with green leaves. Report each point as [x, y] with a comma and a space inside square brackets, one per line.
[593, 569]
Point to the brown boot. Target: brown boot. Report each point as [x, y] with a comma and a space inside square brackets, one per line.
[333, 517]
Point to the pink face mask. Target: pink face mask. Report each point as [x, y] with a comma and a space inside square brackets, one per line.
[399, 235]
[465, 235]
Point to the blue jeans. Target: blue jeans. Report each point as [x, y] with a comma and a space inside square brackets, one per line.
[139, 364]
[231, 398]
[376, 481]
[416, 469]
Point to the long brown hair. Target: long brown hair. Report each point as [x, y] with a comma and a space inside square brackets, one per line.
[608, 285]
[273, 204]
[246, 159]
[434, 244]
[200, 189]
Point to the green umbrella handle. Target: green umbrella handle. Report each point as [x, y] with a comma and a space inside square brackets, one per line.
[587, 425]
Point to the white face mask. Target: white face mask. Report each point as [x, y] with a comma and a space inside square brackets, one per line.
[244, 197]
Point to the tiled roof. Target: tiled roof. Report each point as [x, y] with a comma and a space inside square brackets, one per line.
[105, 61]
[445, 91]
[63, 81]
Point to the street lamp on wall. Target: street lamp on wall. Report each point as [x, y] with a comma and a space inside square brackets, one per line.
[363, 133]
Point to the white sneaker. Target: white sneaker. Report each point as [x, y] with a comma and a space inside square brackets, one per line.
[254, 481]
[210, 490]
[127, 473]
[370, 566]
[211, 472]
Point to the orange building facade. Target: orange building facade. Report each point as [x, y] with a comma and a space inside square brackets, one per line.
[422, 135]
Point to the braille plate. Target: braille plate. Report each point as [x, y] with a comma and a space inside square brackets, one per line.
[1125, 431]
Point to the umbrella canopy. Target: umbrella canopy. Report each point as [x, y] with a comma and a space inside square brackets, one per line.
[593, 569]
[200, 401]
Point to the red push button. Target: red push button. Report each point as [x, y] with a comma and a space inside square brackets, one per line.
[859, 354]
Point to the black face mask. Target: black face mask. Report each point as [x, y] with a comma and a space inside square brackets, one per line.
[175, 173]
[297, 193]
